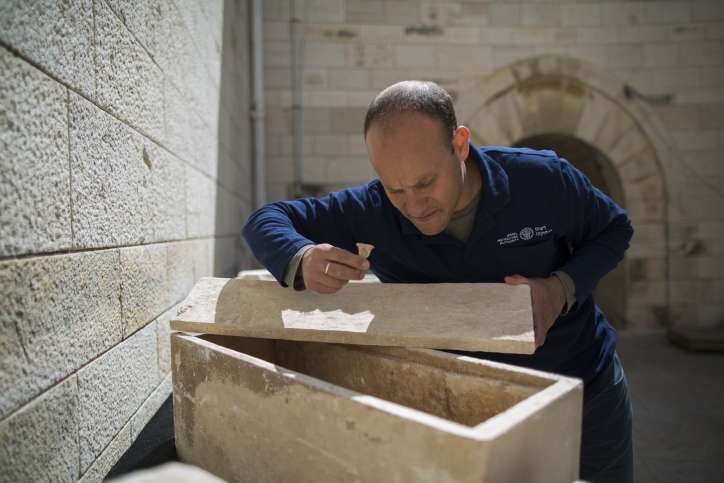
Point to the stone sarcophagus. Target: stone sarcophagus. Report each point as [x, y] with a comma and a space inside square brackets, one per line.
[248, 408]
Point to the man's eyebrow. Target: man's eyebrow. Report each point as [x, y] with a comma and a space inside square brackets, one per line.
[422, 182]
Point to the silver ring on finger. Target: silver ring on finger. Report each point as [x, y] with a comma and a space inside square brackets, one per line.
[326, 268]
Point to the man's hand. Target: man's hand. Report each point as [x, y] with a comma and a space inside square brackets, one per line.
[326, 268]
[548, 297]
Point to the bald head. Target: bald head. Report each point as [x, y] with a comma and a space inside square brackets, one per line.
[408, 97]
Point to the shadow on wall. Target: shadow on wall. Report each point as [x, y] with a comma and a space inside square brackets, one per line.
[234, 192]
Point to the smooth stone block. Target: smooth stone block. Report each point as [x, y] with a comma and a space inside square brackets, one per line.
[271, 410]
[474, 317]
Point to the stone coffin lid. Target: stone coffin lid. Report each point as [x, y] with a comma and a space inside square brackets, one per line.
[466, 316]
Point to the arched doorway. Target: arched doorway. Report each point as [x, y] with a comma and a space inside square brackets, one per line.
[571, 106]
[610, 294]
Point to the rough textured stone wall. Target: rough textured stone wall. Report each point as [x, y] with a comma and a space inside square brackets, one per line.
[125, 176]
[669, 53]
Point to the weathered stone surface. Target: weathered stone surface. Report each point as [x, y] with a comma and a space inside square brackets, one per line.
[97, 472]
[144, 20]
[127, 435]
[203, 258]
[66, 311]
[193, 71]
[479, 317]
[618, 122]
[315, 78]
[179, 271]
[149, 407]
[166, 193]
[13, 362]
[35, 176]
[226, 255]
[128, 82]
[201, 204]
[185, 64]
[40, 441]
[235, 62]
[175, 49]
[505, 112]
[230, 214]
[144, 290]
[547, 105]
[347, 120]
[57, 36]
[235, 176]
[348, 169]
[484, 129]
[109, 208]
[361, 11]
[154, 277]
[163, 336]
[125, 189]
[112, 387]
[186, 134]
[205, 34]
[215, 12]
[338, 413]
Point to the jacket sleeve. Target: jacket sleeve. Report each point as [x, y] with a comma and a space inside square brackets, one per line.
[277, 231]
[597, 229]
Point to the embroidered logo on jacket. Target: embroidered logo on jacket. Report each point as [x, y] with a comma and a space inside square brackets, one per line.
[524, 234]
[527, 233]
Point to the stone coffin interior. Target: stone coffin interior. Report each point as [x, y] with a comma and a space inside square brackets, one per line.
[465, 393]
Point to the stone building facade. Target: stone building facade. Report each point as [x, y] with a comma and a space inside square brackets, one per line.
[125, 176]
[630, 91]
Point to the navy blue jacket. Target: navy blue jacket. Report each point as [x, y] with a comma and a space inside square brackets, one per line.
[537, 213]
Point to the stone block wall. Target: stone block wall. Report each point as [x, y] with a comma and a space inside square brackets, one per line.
[669, 53]
[125, 175]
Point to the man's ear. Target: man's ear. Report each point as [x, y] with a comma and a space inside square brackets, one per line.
[460, 141]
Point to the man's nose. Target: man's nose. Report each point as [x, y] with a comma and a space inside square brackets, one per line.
[417, 205]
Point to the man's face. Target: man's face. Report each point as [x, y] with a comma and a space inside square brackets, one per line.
[421, 173]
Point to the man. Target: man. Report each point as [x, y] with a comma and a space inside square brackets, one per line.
[443, 210]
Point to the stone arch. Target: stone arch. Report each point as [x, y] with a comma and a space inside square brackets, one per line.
[553, 95]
